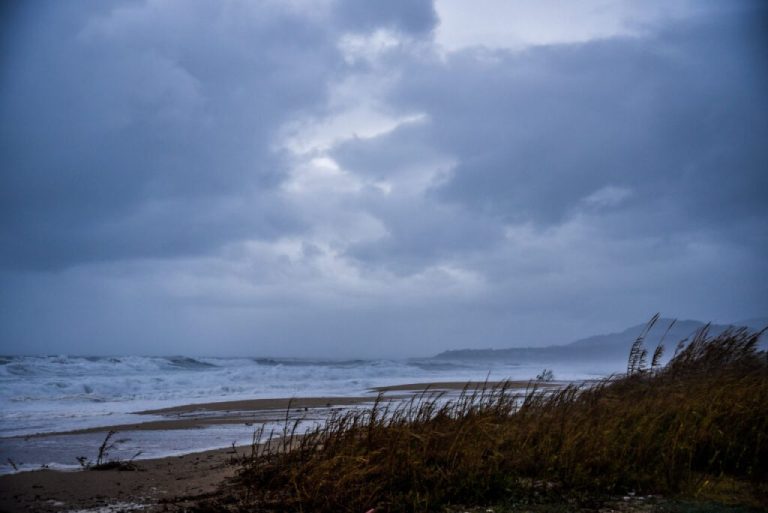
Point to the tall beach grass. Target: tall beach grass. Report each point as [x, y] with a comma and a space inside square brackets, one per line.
[678, 428]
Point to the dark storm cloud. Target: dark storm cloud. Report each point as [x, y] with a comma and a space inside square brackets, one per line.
[663, 136]
[681, 116]
[137, 130]
[423, 233]
[421, 230]
[146, 131]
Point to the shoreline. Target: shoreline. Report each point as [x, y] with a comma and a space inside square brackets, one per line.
[198, 415]
[174, 480]
[255, 411]
[458, 386]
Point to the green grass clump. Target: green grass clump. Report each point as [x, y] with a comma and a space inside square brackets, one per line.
[679, 428]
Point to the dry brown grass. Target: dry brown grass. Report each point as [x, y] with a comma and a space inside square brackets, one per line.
[700, 419]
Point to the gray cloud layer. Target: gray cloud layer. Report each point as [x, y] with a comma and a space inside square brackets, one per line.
[312, 177]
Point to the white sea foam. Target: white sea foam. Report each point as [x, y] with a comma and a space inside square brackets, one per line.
[116, 507]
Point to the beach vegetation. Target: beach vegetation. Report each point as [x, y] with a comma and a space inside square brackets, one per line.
[104, 461]
[695, 428]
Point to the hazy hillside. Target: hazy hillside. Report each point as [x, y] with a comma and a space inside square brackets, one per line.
[610, 346]
[755, 324]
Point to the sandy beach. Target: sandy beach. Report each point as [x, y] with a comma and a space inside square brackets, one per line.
[438, 386]
[158, 484]
[169, 483]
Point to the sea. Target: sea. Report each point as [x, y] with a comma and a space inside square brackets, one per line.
[60, 393]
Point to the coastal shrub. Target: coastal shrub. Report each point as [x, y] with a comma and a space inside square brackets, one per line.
[103, 461]
[678, 428]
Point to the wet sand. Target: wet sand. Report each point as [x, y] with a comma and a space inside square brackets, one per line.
[461, 385]
[252, 411]
[158, 484]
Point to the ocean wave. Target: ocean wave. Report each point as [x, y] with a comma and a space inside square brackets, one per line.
[428, 365]
[186, 362]
[301, 362]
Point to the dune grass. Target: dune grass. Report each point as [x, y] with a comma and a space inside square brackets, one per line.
[683, 428]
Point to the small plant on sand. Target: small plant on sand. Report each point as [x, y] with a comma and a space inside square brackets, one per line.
[545, 375]
[103, 462]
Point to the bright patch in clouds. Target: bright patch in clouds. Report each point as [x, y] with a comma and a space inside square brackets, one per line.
[608, 196]
[320, 135]
[368, 47]
[517, 24]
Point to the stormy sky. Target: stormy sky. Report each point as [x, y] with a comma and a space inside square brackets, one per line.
[377, 178]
